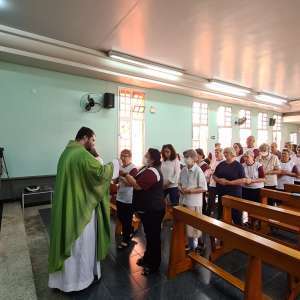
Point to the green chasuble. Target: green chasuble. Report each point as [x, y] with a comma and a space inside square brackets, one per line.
[82, 185]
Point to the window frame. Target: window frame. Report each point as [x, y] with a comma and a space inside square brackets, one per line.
[262, 127]
[293, 141]
[276, 130]
[201, 125]
[130, 119]
[246, 127]
[226, 123]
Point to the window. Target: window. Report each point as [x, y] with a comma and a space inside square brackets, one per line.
[277, 130]
[245, 128]
[224, 126]
[262, 132]
[200, 126]
[132, 123]
[293, 138]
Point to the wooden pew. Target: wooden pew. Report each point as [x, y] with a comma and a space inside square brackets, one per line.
[258, 248]
[273, 215]
[286, 199]
[292, 188]
[269, 214]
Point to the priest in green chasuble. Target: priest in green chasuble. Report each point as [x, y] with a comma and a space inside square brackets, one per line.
[80, 218]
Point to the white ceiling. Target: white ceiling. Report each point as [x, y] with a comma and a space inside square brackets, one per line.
[253, 43]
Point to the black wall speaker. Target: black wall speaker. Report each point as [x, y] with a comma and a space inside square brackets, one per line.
[109, 100]
[272, 122]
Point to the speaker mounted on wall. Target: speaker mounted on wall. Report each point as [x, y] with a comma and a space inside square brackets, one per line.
[272, 122]
[109, 100]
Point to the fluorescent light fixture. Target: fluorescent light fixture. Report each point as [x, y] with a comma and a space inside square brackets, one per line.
[160, 74]
[227, 88]
[143, 63]
[267, 98]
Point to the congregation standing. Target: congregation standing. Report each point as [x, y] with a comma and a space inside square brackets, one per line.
[167, 178]
[198, 182]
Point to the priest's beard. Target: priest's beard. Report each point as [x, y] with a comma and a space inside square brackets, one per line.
[89, 145]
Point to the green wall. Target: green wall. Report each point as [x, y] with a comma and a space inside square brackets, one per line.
[39, 113]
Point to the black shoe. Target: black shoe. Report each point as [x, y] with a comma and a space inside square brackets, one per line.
[148, 271]
[96, 280]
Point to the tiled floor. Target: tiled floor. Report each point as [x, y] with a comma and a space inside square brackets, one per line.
[122, 278]
[16, 275]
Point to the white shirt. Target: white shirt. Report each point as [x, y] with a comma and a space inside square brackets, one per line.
[285, 179]
[171, 171]
[192, 178]
[270, 163]
[213, 166]
[295, 159]
[252, 172]
[125, 192]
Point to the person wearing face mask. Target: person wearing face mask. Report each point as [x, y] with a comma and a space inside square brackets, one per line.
[192, 185]
[288, 170]
[270, 164]
[170, 168]
[229, 176]
[124, 197]
[148, 202]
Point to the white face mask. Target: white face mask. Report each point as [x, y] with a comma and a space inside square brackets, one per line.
[189, 161]
[146, 162]
[264, 154]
